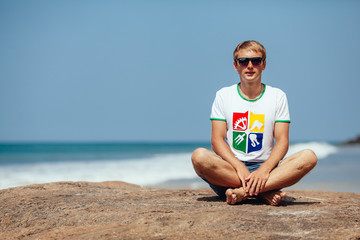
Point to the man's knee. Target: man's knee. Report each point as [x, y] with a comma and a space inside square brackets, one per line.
[309, 159]
[200, 160]
[198, 156]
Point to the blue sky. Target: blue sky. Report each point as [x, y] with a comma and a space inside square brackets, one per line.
[149, 70]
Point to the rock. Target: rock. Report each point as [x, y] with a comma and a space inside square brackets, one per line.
[117, 210]
[354, 141]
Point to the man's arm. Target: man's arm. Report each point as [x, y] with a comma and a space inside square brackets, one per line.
[220, 147]
[258, 178]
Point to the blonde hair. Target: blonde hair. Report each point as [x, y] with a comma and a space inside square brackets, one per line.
[251, 45]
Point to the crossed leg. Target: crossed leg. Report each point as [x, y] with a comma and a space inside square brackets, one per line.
[219, 172]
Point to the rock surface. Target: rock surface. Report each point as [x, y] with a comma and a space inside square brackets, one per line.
[117, 210]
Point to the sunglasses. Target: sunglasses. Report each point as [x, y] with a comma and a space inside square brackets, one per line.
[256, 61]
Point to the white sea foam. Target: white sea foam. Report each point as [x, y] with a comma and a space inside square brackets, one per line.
[321, 149]
[150, 171]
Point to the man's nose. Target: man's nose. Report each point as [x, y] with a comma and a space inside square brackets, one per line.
[250, 65]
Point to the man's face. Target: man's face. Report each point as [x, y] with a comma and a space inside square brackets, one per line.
[249, 73]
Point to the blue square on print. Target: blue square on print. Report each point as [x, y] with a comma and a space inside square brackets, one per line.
[255, 141]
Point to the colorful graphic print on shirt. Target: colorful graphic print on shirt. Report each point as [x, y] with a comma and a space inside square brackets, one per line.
[248, 131]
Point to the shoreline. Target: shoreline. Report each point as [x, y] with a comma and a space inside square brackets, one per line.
[198, 183]
[336, 170]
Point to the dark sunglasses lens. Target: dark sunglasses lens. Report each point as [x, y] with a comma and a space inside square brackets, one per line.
[243, 61]
[256, 61]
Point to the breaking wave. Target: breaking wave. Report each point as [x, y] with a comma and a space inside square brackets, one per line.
[321, 149]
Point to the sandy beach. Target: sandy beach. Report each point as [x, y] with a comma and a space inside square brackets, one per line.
[118, 210]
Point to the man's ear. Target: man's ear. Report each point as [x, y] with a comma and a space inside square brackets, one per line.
[264, 64]
[235, 65]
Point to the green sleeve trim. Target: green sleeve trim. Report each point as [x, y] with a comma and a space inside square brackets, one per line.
[288, 121]
[219, 119]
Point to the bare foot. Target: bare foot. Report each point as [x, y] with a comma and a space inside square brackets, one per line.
[273, 198]
[235, 195]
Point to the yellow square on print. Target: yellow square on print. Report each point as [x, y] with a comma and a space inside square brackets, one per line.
[257, 122]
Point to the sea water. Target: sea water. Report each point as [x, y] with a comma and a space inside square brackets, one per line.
[166, 165]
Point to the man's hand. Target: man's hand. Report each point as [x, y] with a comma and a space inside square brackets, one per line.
[242, 173]
[256, 181]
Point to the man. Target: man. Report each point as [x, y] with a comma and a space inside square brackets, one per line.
[246, 118]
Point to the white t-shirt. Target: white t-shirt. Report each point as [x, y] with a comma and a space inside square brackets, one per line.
[250, 123]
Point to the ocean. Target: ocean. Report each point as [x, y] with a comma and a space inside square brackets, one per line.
[160, 165]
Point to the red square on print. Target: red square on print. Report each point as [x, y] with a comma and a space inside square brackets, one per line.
[240, 121]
